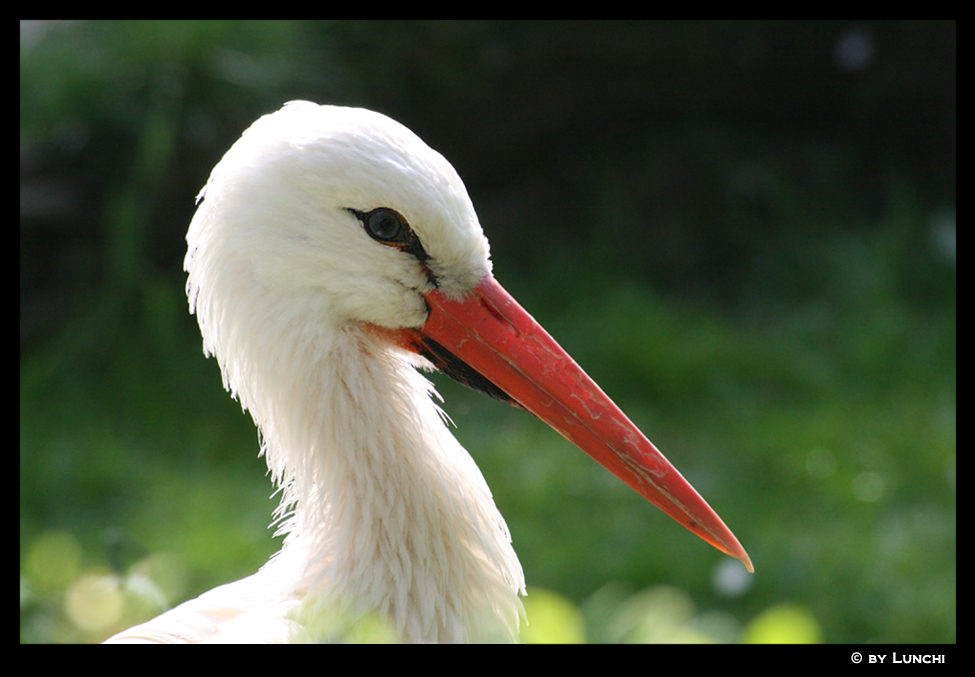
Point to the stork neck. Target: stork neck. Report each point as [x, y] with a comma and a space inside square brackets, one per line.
[388, 513]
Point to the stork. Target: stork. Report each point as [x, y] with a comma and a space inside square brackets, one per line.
[332, 254]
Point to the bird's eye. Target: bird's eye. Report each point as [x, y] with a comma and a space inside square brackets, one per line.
[386, 225]
[390, 228]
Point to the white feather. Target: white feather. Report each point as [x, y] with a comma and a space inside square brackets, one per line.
[386, 515]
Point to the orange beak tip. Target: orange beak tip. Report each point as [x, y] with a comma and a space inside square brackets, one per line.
[746, 560]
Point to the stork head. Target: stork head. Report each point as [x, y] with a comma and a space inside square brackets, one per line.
[323, 217]
[344, 207]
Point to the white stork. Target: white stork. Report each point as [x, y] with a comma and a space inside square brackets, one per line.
[333, 253]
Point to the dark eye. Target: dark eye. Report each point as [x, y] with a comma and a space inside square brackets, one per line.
[386, 225]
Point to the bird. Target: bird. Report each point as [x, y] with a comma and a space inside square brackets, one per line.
[333, 257]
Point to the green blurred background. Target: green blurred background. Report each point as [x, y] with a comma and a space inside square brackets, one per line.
[744, 231]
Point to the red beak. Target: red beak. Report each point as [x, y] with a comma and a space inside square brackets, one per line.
[493, 335]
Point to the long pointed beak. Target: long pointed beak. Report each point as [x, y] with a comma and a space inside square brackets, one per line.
[491, 333]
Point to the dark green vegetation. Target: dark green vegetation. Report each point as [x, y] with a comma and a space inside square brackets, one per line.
[743, 231]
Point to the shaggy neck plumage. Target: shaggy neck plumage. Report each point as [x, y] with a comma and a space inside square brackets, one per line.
[385, 512]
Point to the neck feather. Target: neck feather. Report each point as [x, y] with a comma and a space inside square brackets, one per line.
[385, 512]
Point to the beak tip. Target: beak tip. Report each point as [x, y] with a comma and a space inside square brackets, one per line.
[739, 554]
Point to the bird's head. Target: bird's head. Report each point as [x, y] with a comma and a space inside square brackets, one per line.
[343, 208]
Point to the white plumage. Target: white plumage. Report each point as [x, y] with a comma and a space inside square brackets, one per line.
[326, 242]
